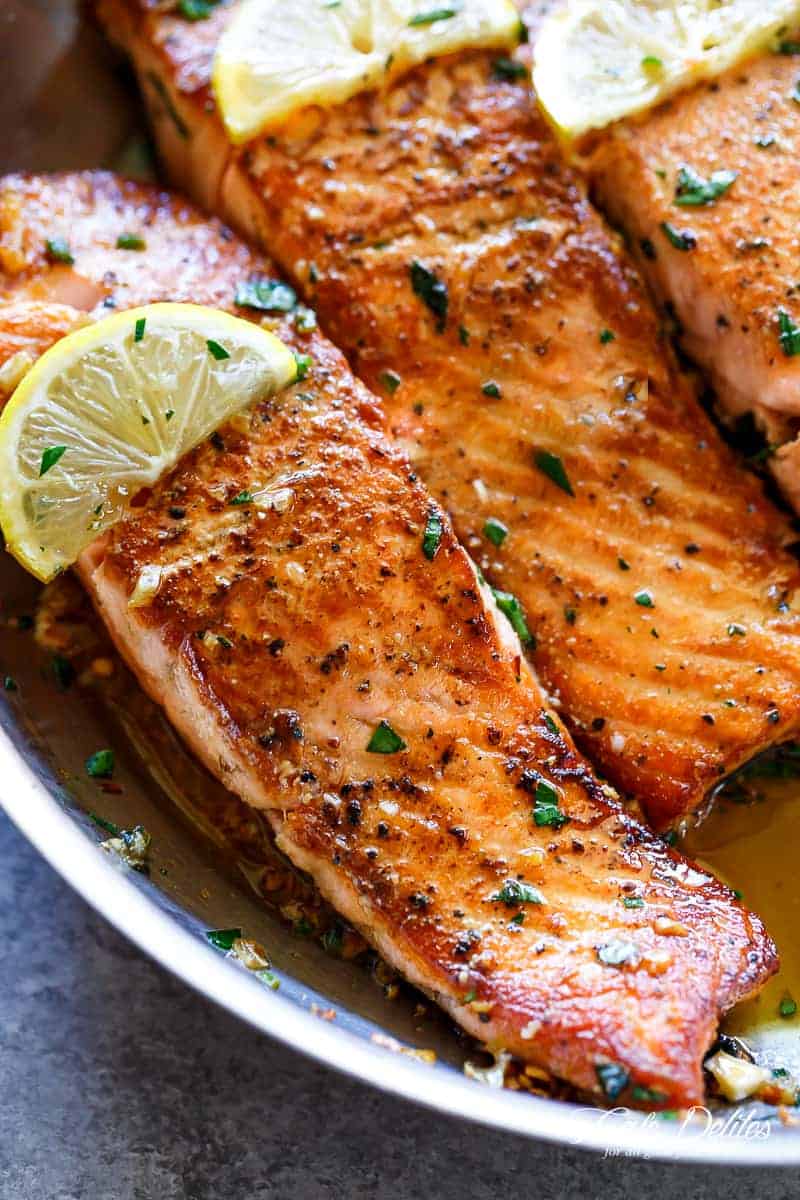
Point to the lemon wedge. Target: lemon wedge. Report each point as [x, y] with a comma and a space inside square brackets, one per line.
[598, 60]
[109, 408]
[277, 56]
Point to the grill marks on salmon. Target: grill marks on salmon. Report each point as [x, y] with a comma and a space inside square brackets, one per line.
[454, 257]
[285, 630]
[739, 272]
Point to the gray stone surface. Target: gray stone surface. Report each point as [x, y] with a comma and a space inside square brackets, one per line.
[118, 1083]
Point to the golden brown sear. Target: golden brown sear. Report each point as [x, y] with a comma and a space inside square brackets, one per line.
[453, 256]
[322, 641]
[729, 270]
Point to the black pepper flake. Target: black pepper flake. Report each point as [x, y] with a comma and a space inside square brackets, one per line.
[177, 513]
[418, 900]
[276, 646]
[354, 812]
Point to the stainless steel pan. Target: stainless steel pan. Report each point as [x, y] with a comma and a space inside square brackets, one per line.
[66, 104]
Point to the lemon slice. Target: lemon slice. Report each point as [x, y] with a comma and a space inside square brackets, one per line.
[277, 56]
[109, 408]
[598, 60]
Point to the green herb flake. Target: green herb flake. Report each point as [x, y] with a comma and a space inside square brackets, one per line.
[105, 825]
[223, 939]
[546, 811]
[63, 672]
[131, 241]
[646, 1095]
[518, 919]
[788, 47]
[10, 683]
[269, 979]
[789, 334]
[242, 498]
[384, 740]
[551, 724]
[138, 329]
[570, 614]
[617, 953]
[432, 535]
[606, 336]
[196, 10]
[304, 363]
[552, 466]
[514, 891]
[495, 531]
[613, 1079]
[491, 389]
[623, 565]
[680, 239]
[644, 599]
[435, 14]
[391, 381]
[787, 1007]
[50, 457]
[632, 902]
[431, 290]
[693, 191]
[58, 251]
[216, 351]
[651, 62]
[510, 606]
[100, 765]
[266, 295]
[509, 70]
[463, 335]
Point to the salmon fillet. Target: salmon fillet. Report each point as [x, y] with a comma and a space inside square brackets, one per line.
[477, 851]
[453, 256]
[738, 271]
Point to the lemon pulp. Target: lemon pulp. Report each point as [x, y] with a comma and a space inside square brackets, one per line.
[277, 56]
[112, 406]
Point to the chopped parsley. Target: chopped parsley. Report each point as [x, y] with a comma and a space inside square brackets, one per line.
[617, 953]
[509, 70]
[384, 740]
[130, 241]
[10, 683]
[680, 239]
[267, 295]
[510, 606]
[216, 351]
[646, 1095]
[391, 381]
[495, 531]
[435, 14]
[242, 498]
[651, 62]
[606, 336]
[514, 891]
[106, 826]
[787, 1007]
[550, 723]
[788, 47]
[644, 599]
[63, 672]
[58, 251]
[223, 939]
[138, 329]
[545, 806]
[789, 334]
[552, 466]
[100, 765]
[613, 1079]
[196, 10]
[693, 191]
[463, 335]
[632, 902]
[269, 979]
[304, 363]
[432, 536]
[623, 565]
[492, 389]
[50, 457]
[431, 290]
